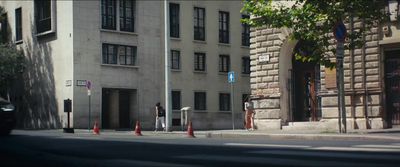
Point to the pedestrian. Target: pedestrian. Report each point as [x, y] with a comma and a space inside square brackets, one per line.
[160, 117]
[248, 106]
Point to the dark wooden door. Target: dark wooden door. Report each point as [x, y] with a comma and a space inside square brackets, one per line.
[392, 80]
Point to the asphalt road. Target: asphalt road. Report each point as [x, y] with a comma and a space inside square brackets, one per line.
[54, 148]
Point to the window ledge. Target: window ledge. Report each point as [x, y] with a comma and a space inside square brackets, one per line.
[245, 47]
[119, 32]
[45, 33]
[200, 72]
[224, 44]
[176, 70]
[175, 39]
[18, 42]
[199, 41]
[120, 66]
[223, 73]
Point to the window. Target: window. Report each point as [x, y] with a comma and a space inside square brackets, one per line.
[224, 102]
[3, 27]
[245, 32]
[199, 61]
[245, 65]
[175, 59]
[43, 16]
[200, 101]
[127, 15]
[174, 20]
[176, 100]
[199, 23]
[108, 14]
[223, 27]
[126, 54]
[224, 63]
[244, 99]
[18, 24]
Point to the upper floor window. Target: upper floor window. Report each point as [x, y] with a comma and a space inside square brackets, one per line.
[108, 14]
[199, 61]
[126, 54]
[223, 27]
[3, 28]
[224, 102]
[175, 59]
[245, 65]
[199, 23]
[127, 15]
[224, 63]
[18, 24]
[43, 16]
[245, 32]
[174, 20]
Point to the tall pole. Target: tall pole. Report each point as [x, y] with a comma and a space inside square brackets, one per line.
[168, 108]
[341, 96]
[233, 113]
[89, 113]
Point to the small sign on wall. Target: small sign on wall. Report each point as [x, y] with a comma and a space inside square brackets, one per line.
[68, 83]
[330, 78]
[80, 82]
[263, 57]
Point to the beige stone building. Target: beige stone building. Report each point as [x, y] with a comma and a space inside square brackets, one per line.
[118, 45]
[292, 95]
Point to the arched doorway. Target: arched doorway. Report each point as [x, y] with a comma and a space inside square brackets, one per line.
[305, 83]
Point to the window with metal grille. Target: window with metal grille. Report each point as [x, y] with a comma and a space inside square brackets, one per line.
[224, 63]
[245, 65]
[175, 59]
[200, 102]
[43, 15]
[108, 14]
[223, 27]
[245, 32]
[174, 20]
[199, 23]
[199, 61]
[18, 24]
[224, 102]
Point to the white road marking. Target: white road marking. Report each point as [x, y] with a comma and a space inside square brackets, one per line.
[354, 149]
[379, 146]
[266, 145]
[325, 154]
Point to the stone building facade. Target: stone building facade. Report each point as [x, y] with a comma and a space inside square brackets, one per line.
[292, 95]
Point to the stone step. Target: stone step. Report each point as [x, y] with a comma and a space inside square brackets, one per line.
[304, 126]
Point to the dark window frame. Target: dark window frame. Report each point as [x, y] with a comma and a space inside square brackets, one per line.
[109, 57]
[43, 16]
[224, 63]
[124, 19]
[200, 101]
[245, 32]
[199, 61]
[223, 27]
[109, 14]
[175, 59]
[246, 65]
[198, 28]
[18, 25]
[176, 101]
[174, 11]
[224, 102]
[4, 28]
[124, 59]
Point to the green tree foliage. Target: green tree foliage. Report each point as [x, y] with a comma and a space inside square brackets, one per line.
[311, 21]
[12, 61]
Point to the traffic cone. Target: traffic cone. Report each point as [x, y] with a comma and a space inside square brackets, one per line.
[190, 130]
[96, 129]
[138, 131]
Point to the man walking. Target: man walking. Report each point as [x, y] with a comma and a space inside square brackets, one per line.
[160, 117]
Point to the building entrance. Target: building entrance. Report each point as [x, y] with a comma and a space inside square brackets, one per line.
[392, 80]
[119, 108]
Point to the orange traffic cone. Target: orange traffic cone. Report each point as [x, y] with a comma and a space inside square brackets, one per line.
[190, 130]
[96, 129]
[138, 131]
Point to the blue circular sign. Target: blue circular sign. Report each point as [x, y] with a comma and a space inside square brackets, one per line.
[339, 31]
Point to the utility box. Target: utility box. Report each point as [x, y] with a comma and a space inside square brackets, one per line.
[67, 105]
[185, 117]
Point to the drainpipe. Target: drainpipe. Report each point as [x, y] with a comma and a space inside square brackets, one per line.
[365, 94]
[351, 66]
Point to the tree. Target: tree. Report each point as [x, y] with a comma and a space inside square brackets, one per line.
[12, 61]
[311, 21]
